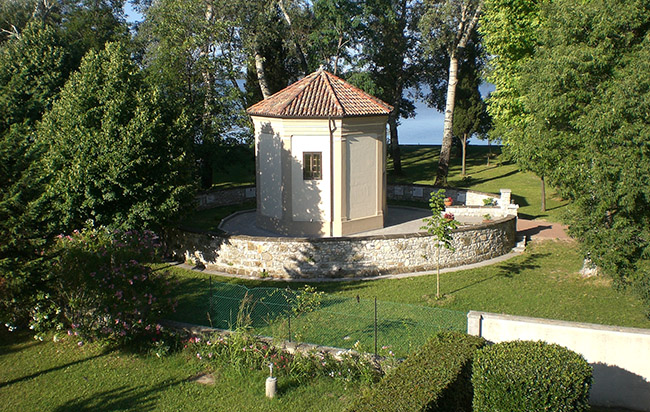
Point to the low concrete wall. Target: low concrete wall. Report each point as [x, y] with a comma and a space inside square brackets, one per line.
[461, 197]
[224, 197]
[466, 202]
[620, 356]
[342, 256]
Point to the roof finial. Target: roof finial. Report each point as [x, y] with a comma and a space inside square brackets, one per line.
[321, 68]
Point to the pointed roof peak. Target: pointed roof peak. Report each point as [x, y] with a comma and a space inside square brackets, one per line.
[320, 95]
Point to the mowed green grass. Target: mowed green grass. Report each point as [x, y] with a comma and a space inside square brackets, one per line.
[542, 282]
[419, 165]
[62, 377]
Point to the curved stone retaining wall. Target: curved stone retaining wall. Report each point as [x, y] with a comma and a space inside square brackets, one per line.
[339, 257]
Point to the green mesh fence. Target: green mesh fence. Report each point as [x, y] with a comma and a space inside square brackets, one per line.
[329, 320]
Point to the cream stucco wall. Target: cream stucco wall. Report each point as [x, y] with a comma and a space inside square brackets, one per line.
[310, 199]
[354, 191]
[362, 179]
[269, 170]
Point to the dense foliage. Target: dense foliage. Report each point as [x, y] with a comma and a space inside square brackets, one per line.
[33, 69]
[530, 376]
[576, 113]
[435, 378]
[101, 287]
[112, 157]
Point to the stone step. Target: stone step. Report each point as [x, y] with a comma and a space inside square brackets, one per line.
[520, 244]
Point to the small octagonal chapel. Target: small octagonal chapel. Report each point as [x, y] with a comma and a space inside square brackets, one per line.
[320, 149]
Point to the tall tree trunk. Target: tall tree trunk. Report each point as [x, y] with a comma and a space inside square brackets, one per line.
[467, 24]
[301, 54]
[208, 78]
[489, 152]
[445, 150]
[394, 143]
[462, 173]
[261, 73]
[543, 187]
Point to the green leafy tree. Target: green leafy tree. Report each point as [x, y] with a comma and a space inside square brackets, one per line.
[337, 32]
[449, 24]
[114, 155]
[189, 53]
[33, 68]
[509, 30]
[391, 54]
[585, 96]
[439, 226]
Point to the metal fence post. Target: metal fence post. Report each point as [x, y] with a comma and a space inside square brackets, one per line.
[375, 326]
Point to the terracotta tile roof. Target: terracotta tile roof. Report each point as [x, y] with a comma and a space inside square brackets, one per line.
[320, 95]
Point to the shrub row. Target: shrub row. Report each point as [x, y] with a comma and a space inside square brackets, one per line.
[435, 378]
[530, 376]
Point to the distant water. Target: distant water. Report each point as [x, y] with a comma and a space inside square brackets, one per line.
[427, 126]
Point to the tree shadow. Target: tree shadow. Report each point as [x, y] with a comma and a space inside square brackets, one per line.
[506, 270]
[53, 369]
[15, 341]
[122, 398]
[528, 233]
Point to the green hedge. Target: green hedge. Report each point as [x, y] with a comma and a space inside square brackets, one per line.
[530, 376]
[435, 378]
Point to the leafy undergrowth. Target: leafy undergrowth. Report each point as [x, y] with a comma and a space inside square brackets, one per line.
[61, 376]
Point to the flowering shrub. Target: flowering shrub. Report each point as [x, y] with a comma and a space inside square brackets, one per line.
[102, 288]
[243, 351]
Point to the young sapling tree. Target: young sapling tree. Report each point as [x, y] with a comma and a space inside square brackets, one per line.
[439, 226]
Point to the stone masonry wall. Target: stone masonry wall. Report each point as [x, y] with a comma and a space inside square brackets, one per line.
[340, 257]
[224, 197]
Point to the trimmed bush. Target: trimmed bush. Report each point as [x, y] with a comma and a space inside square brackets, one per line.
[530, 376]
[435, 378]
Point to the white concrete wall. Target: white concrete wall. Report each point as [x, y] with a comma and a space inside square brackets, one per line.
[311, 199]
[362, 175]
[269, 172]
[620, 356]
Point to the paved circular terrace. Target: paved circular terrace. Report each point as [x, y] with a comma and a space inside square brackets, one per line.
[399, 221]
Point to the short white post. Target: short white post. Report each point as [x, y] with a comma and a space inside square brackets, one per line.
[271, 383]
[506, 198]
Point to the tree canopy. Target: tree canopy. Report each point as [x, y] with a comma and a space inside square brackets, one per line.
[112, 156]
[577, 108]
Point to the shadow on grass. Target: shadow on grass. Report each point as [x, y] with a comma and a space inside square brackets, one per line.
[53, 369]
[507, 270]
[470, 181]
[122, 398]
[15, 341]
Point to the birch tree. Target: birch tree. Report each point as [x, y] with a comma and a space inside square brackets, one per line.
[449, 24]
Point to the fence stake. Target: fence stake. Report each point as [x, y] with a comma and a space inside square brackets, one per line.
[375, 326]
[289, 318]
[210, 307]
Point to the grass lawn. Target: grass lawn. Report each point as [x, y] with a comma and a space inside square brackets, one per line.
[419, 166]
[48, 376]
[542, 282]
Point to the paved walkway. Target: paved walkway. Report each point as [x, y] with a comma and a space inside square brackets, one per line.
[399, 221]
[540, 230]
